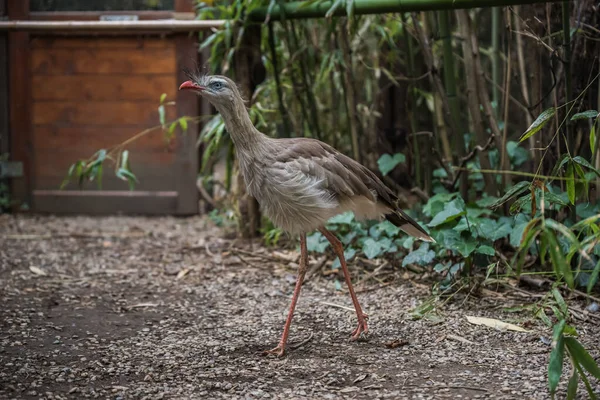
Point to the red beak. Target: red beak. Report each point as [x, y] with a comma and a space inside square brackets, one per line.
[191, 85]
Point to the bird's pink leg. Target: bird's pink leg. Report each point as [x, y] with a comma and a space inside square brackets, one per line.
[280, 349]
[338, 248]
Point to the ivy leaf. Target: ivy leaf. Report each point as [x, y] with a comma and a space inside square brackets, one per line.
[517, 154]
[585, 115]
[538, 124]
[421, 256]
[485, 249]
[372, 248]
[386, 162]
[466, 247]
[344, 218]
[349, 254]
[451, 211]
[316, 242]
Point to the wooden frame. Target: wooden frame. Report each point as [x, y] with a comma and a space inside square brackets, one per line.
[182, 201]
[20, 105]
[4, 144]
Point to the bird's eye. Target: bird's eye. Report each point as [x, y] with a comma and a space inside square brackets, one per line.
[217, 85]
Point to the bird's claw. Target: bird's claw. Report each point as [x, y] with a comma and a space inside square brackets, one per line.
[361, 328]
[278, 351]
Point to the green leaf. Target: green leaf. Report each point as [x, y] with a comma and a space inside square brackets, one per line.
[570, 183]
[421, 256]
[466, 247]
[161, 114]
[451, 211]
[555, 366]
[485, 249]
[516, 190]
[584, 163]
[344, 218]
[518, 155]
[128, 176]
[538, 124]
[372, 248]
[317, 242]
[572, 386]
[593, 139]
[333, 8]
[585, 115]
[554, 199]
[349, 254]
[582, 357]
[387, 163]
[350, 8]
[163, 97]
[593, 277]
[558, 258]
[183, 123]
[125, 159]
[564, 309]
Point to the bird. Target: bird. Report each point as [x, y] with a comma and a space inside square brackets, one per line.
[300, 183]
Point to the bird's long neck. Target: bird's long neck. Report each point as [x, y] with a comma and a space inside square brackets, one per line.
[245, 136]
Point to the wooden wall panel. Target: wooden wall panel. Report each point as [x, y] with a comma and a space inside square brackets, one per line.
[91, 61]
[91, 93]
[112, 42]
[103, 87]
[48, 137]
[114, 113]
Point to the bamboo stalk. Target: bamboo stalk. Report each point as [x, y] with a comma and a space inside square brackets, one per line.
[458, 142]
[282, 109]
[300, 9]
[567, 66]
[351, 96]
[410, 69]
[496, 13]
[472, 96]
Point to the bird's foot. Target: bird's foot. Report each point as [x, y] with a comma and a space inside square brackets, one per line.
[278, 351]
[361, 328]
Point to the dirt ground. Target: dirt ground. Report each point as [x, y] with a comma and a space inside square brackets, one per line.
[170, 308]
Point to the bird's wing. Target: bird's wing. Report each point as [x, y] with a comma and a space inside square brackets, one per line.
[344, 178]
[341, 175]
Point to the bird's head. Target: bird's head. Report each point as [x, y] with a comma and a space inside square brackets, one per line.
[218, 90]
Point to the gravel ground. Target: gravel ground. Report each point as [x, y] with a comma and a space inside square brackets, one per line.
[153, 308]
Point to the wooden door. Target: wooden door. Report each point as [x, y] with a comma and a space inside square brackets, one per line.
[79, 93]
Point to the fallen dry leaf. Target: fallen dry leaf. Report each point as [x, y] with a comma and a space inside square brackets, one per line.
[495, 323]
[183, 273]
[359, 378]
[37, 271]
[396, 343]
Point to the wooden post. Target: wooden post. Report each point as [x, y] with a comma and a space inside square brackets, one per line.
[249, 72]
[4, 143]
[19, 96]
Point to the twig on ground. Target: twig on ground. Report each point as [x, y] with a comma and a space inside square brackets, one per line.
[302, 343]
[337, 305]
[312, 272]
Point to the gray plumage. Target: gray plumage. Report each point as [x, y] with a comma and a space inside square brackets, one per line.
[300, 183]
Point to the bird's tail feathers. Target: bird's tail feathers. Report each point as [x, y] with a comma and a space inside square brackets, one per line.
[408, 225]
